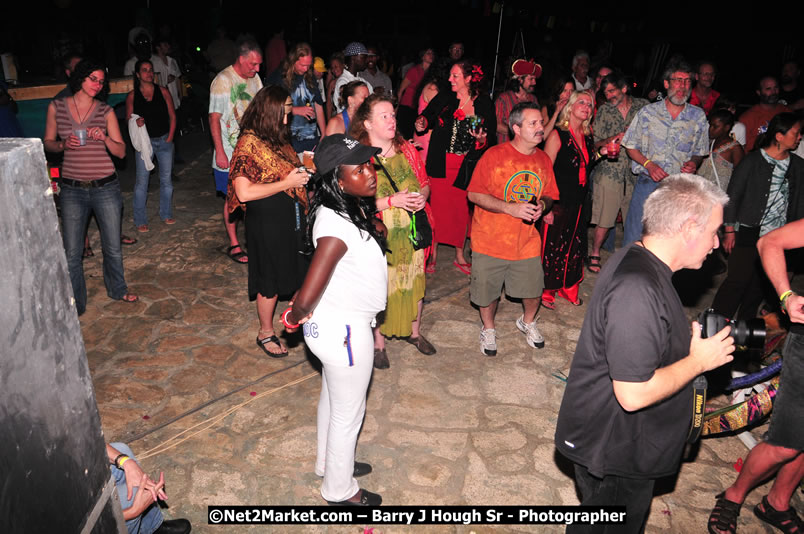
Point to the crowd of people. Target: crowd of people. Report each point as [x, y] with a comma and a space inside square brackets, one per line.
[338, 170]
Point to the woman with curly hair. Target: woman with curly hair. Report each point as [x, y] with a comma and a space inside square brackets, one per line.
[460, 124]
[265, 179]
[353, 93]
[572, 149]
[399, 165]
[85, 128]
[343, 292]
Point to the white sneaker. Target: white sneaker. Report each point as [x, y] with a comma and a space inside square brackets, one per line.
[534, 337]
[488, 342]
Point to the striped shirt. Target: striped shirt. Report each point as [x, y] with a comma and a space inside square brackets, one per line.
[91, 161]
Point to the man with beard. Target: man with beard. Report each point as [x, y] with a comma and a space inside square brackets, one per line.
[666, 137]
[377, 78]
[612, 179]
[757, 117]
[520, 89]
[512, 187]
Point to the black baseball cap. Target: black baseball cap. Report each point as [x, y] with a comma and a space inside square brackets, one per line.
[340, 149]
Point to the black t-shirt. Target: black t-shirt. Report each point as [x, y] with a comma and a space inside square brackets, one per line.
[635, 324]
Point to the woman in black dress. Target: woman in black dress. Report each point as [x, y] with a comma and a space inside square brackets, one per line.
[572, 148]
[265, 179]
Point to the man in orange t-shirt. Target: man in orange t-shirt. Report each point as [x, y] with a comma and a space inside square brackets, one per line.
[512, 187]
[757, 117]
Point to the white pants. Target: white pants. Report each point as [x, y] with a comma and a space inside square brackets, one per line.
[345, 347]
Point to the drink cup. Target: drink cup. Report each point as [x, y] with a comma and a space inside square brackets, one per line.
[613, 150]
[307, 160]
[82, 137]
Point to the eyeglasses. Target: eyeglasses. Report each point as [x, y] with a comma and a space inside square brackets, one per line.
[681, 81]
[97, 80]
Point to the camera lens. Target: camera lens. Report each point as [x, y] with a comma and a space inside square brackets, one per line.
[750, 333]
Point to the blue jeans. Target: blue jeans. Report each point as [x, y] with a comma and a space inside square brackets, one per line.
[77, 204]
[632, 229]
[164, 157]
[151, 519]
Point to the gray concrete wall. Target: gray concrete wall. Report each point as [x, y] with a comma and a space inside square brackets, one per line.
[52, 456]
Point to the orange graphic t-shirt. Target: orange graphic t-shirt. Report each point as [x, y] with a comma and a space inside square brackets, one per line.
[505, 173]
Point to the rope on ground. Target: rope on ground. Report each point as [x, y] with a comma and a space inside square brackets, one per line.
[174, 441]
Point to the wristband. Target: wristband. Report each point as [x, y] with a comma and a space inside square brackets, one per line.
[123, 461]
[285, 321]
[783, 299]
[117, 459]
[390, 204]
[646, 163]
[478, 146]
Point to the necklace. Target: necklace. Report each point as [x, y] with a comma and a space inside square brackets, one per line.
[389, 149]
[81, 118]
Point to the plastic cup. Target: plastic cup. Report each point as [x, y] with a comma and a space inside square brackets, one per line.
[613, 150]
[307, 160]
[82, 137]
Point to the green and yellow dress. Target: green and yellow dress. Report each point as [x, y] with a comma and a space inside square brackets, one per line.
[406, 280]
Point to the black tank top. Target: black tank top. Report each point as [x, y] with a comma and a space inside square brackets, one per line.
[154, 112]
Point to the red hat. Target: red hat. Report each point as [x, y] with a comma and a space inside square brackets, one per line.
[523, 67]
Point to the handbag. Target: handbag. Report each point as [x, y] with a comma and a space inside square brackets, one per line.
[421, 233]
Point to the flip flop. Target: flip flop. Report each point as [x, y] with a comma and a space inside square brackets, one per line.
[430, 269]
[465, 268]
[88, 252]
[129, 297]
[125, 240]
[237, 256]
[275, 340]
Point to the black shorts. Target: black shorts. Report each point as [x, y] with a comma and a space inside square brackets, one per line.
[787, 419]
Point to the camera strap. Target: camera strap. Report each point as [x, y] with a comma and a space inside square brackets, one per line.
[698, 407]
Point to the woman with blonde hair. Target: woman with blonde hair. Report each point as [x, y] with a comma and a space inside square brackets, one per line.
[572, 148]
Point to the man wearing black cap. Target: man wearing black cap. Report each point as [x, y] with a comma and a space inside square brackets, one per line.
[520, 89]
[356, 55]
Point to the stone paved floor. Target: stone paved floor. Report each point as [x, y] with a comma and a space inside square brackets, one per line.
[179, 374]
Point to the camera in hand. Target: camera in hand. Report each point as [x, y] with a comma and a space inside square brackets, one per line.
[750, 333]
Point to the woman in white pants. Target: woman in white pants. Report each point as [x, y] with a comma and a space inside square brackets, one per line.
[345, 288]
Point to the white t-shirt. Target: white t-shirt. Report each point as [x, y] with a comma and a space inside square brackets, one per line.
[359, 285]
[738, 132]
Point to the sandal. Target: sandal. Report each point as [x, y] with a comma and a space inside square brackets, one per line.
[129, 297]
[787, 521]
[723, 519]
[88, 252]
[594, 264]
[430, 269]
[549, 304]
[465, 268]
[275, 340]
[578, 302]
[125, 240]
[237, 256]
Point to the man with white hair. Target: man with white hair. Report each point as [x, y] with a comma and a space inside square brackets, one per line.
[627, 408]
[580, 71]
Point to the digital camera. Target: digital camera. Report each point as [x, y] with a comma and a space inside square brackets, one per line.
[749, 334]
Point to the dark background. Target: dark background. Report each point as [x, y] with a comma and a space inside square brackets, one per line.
[743, 46]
